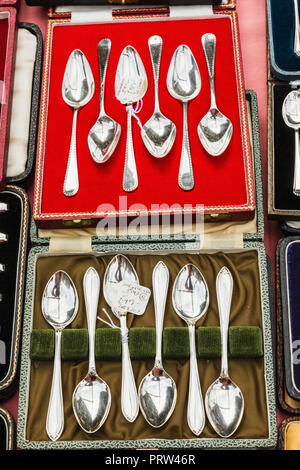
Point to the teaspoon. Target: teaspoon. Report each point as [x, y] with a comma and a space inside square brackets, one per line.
[214, 130]
[224, 400]
[130, 87]
[120, 269]
[190, 301]
[184, 84]
[59, 307]
[77, 90]
[159, 132]
[104, 135]
[157, 390]
[291, 117]
[91, 398]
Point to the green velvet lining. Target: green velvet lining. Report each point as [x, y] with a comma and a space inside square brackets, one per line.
[244, 342]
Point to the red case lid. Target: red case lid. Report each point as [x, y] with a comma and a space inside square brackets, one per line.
[7, 57]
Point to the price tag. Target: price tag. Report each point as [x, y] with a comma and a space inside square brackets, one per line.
[130, 297]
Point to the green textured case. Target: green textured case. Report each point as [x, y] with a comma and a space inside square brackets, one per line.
[163, 244]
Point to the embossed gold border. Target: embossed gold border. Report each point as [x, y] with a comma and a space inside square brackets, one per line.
[251, 203]
[21, 281]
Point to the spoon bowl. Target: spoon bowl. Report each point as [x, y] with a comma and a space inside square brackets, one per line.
[157, 390]
[59, 308]
[77, 89]
[91, 398]
[224, 400]
[104, 135]
[190, 301]
[214, 130]
[184, 84]
[159, 132]
[120, 269]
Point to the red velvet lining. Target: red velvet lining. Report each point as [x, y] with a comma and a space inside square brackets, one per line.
[219, 181]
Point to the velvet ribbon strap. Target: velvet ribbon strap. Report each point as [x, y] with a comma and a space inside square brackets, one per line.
[244, 342]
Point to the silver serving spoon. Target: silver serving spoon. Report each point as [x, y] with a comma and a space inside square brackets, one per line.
[157, 390]
[59, 307]
[297, 29]
[184, 84]
[159, 132]
[214, 130]
[190, 301]
[130, 87]
[120, 269]
[104, 135]
[224, 400]
[291, 117]
[91, 398]
[77, 89]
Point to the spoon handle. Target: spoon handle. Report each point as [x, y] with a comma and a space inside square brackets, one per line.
[296, 185]
[224, 287]
[297, 29]
[104, 47]
[160, 282]
[209, 43]
[55, 415]
[129, 395]
[195, 412]
[130, 178]
[155, 47]
[91, 288]
[71, 183]
[186, 176]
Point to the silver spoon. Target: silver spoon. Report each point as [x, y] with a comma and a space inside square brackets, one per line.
[190, 301]
[77, 89]
[297, 29]
[184, 84]
[224, 400]
[120, 269]
[59, 307]
[104, 135]
[130, 87]
[157, 390]
[91, 398]
[159, 132]
[214, 130]
[291, 117]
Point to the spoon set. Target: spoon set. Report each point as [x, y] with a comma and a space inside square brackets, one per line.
[159, 132]
[157, 393]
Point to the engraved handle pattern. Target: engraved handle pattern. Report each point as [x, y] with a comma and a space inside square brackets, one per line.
[224, 287]
[129, 395]
[160, 282]
[130, 178]
[155, 47]
[104, 47]
[55, 415]
[297, 29]
[186, 176]
[71, 183]
[195, 412]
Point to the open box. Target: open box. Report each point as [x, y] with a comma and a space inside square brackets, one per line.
[100, 185]
[283, 77]
[249, 265]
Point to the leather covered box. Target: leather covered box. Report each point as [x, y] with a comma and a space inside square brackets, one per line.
[73, 251]
[100, 193]
[289, 434]
[14, 225]
[283, 78]
[287, 266]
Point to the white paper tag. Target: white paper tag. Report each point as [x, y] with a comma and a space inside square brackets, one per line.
[129, 297]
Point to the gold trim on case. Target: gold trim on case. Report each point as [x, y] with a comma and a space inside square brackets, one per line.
[10, 428]
[13, 369]
[250, 205]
